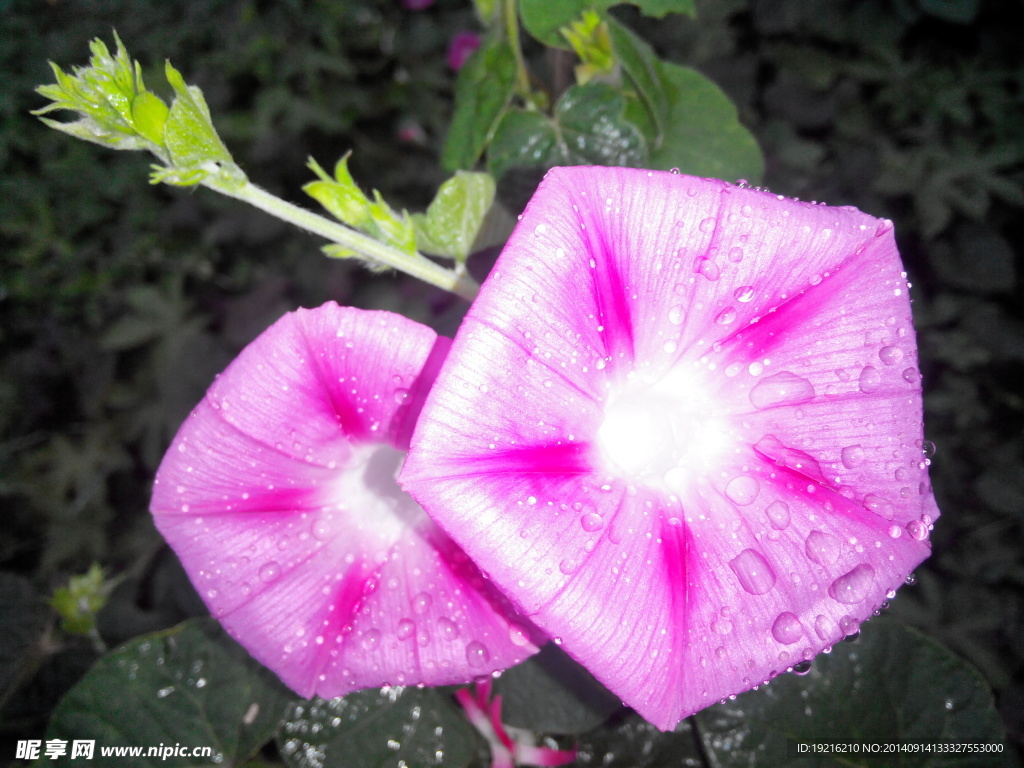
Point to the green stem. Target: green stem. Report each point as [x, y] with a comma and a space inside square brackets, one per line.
[412, 264]
[511, 13]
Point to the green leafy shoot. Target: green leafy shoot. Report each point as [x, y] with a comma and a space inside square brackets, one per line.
[455, 215]
[81, 600]
[115, 110]
[105, 95]
[589, 38]
[344, 200]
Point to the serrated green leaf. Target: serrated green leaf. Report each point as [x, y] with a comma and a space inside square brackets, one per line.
[190, 137]
[589, 127]
[80, 601]
[544, 18]
[149, 114]
[643, 67]
[89, 130]
[384, 728]
[704, 136]
[482, 94]
[191, 685]
[551, 693]
[894, 685]
[340, 196]
[589, 38]
[454, 216]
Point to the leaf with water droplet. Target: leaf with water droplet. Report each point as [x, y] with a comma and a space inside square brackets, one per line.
[383, 728]
[551, 693]
[188, 685]
[891, 686]
[589, 127]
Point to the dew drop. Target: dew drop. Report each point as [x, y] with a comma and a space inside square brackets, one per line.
[895, 531]
[568, 566]
[880, 506]
[707, 225]
[911, 375]
[822, 548]
[778, 515]
[917, 530]
[371, 639]
[709, 269]
[421, 602]
[744, 293]
[890, 355]
[449, 629]
[477, 654]
[401, 395]
[853, 586]
[677, 314]
[269, 572]
[726, 316]
[870, 380]
[787, 629]
[802, 667]
[821, 627]
[721, 626]
[753, 572]
[736, 254]
[592, 522]
[783, 388]
[742, 490]
[406, 629]
[852, 456]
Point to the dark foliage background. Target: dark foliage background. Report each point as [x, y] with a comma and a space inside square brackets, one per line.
[119, 303]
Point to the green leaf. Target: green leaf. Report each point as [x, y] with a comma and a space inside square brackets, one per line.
[341, 196]
[551, 693]
[589, 127]
[482, 94]
[894, 685]
[635, 743]
[191, 685]
[149, 114]
[454, 216]
[544, 18]
[704, 136]
[643, 67]
[589, 38]
[80, 601]
[191, 139]
[384, 728]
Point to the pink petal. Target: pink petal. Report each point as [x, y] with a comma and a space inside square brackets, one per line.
[279, 496]
[681, 428]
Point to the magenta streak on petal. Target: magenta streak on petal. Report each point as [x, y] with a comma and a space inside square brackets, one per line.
[565, 459]
[610, 292]
[404, 421]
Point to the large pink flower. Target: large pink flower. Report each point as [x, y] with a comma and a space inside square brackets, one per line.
[681, 427]
[279, 496]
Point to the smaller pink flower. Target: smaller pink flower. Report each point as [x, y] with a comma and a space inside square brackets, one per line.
[279, 496]
[461, 48]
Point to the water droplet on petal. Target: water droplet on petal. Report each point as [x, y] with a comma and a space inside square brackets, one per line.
[853, 586]
[568, 566]
[449, 629]
[821, 626]
[753, 572]
[802, 667]
[870, 380]
[371, 638]
[709, 269]
[778, 515]
[917, 530]
[592, 522]
[890, 355]
[406, 629]
[477, 654]
[783, 388]
[726, 316]
[707, 225]
[744, 293]
[736, 254]
[742, 490]
[822, 548]
[852, 456]
[911, 375]
[787, 629]
[676, 315]
[421, 602]
[269, 572]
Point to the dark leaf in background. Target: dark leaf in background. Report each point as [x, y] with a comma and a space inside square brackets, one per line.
[191, 685]
[551, 693]
[23, 617]
[589, 127]
[894, 685]
[635, 743]
[387, 728]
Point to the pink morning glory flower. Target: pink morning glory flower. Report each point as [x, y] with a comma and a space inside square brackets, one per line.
[681, 428]
[461, 48]
[279, 496]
